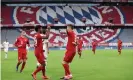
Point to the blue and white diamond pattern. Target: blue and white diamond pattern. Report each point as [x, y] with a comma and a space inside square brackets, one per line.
[68, 15]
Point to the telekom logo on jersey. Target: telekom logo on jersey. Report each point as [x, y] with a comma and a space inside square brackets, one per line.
[98, 15]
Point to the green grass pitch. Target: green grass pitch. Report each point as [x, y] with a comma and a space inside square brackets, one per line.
[105, 65]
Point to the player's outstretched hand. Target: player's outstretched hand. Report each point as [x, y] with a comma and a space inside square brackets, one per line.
[75, 43]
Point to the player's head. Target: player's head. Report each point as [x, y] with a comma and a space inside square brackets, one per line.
[70, 27]
[118, 38]
[44, 31]
[38, 28]
[23, 33]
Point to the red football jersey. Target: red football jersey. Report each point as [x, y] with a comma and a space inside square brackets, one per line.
[80, 43]
[21, 43]
[38, 42]
[94, 44]
[119, 43]
[71, 38]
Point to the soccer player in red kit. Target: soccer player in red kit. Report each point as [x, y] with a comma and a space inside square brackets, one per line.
[70, 52]
[80, 44]
[21, 43]
[38, 38]
[94, 45]
[119, 44]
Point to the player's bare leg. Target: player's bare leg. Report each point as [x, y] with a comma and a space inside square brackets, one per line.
[5, 55]
[67, 71]
[23, 65]
[93, 51]
[38, 64]
[79, 54]
[17, 66]
[119, 52]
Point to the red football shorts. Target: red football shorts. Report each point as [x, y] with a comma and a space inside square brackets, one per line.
[69, 55]
[22, 55]
[119, 48]
[40, 57]
[93, 48]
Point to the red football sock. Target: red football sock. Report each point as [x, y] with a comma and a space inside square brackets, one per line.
[37, 70]
[68, 71]
[43, 71]
[18, 64]
[66, 67]
[23, 65]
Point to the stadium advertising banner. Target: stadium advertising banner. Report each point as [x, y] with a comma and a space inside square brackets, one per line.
[67, 0]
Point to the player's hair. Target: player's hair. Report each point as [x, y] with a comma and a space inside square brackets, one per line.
[71, 26]
[37, 27]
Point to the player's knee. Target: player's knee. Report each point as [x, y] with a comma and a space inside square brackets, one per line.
[20, 61]
[38, 64]
[43, 64]
[24, 61]
[64, 62]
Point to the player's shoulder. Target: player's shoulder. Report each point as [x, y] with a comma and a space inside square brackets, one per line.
[36, 34]
[18, 37]
[71, 32]
[26, 38]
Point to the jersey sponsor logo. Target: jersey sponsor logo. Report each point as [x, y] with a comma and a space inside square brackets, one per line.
[72, 15]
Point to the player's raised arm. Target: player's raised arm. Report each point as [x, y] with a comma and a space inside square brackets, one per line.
[16, 43]
[69, 29]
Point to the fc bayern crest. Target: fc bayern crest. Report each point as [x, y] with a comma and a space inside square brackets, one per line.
[72, 15]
